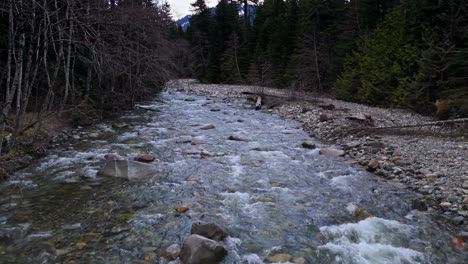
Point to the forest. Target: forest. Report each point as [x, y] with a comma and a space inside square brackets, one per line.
[80, 59]
[402, 54]
[77, 58]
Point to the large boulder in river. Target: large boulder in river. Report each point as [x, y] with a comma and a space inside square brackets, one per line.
[208, 230]
[201, 250]
[128, 169]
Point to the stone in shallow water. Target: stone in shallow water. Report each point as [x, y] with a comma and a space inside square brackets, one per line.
[207, 127]
[172, 252]
[279, 258]
[127, 169]
[309, 144]
[146, 158]
[201, 250]
[208, 230]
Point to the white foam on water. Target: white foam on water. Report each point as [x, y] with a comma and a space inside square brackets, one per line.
[252, 259]
[236, 167]
[232, 244]
[22, 183]
[274, 155]
[127, 135]
[236, 196]
[342, 182]
[364, 253]
[64, 174]
[373, 240]
[89, 172]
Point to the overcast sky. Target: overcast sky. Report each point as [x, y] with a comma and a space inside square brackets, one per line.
[181, 8]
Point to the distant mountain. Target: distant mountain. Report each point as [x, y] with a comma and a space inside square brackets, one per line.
[185, 21]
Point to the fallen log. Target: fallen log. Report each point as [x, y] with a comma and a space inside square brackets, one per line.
[258, 105]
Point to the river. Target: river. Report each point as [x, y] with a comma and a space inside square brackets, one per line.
[269, 193]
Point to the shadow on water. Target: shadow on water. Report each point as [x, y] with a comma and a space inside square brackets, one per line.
[277, 199]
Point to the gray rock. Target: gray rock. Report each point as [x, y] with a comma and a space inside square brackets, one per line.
[332, 152]
[458, 220]
[309, 144]
[463, 234]
[425, 172]
[201, 250]
[325, 117]
[352, 144]
[172, 252]
[419, 205]
[208, 230]
[373, 165]
[377, 145]
[130, 170]
[465, 185]
[207, 127]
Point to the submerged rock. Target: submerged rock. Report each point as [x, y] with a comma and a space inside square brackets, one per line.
[172, 252]
[131, 170]
[208, 230]
[207, 127]
[146, 158]
[236, 138]
[120, 125]
[279, 258]
[309, 144]
[201, 250]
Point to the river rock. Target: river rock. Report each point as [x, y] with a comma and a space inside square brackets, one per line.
[146, 158]
[309, 144]
[279, 258]
[352, 144]
[207, 127]
[236, 138]
[325, 117]
[172, 252]
[458, 220]
[373, 165]
[418, 204]
[377, 145]
[299, 260]
[130, 170]
[332, 152]
[201, 250]
[465, 185]
[120, 125]
[463, 234]
[208, 230]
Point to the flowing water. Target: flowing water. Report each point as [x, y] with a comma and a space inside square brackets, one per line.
[269, 193]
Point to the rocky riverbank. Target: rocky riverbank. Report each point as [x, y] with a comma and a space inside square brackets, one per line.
[431, 160]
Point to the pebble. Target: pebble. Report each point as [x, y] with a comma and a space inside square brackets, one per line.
[465, 185]
[445, 204]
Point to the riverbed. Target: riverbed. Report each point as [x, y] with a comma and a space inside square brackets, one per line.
[271, 195]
